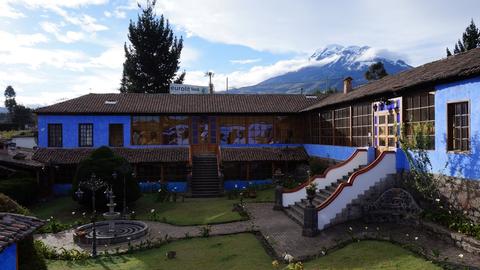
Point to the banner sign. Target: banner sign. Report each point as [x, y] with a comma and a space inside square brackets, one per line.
[188, 89]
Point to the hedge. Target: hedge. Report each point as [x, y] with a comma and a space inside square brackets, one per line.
[22, 190]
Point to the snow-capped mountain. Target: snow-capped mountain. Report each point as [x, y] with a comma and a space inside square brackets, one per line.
[327, 67]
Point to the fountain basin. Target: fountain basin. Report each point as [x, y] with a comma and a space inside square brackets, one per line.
[125, 231]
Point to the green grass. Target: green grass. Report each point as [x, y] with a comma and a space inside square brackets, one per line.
[193, 211]
[235, 252]
[371, 255]
[265, 195]
[244, 252]
[60, 208]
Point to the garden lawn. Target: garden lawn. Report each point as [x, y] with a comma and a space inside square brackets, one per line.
[235, 252]
[245, 252]
[59, 208]
[193, 211]
[371, 255]
[264, 195]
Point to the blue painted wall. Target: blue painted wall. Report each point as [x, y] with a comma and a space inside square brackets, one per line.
[461, 165]
[70, 128]
[8, 258]
[329, 151]
[243, 184]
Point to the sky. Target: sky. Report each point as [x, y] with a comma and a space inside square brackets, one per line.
[52, 50]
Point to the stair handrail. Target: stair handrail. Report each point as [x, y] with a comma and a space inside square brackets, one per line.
[351, 180]
[324, 174]
[219, 160]
[190, 155]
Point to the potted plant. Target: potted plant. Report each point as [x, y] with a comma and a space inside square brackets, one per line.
[311, 191]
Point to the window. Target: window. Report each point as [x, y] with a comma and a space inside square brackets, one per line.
[235, 170]
[85, 135]
[232, 130]
[115, 135]
[458, 127]
[342, 126]
[260, 130]
[145, 130]
[419, 112]
[175, 130]
[284, 129]
[55, 135]
[175, 172]
[314, 128]
[361, 124]
[326, 127]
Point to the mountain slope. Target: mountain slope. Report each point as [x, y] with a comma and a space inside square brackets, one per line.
[327, 68]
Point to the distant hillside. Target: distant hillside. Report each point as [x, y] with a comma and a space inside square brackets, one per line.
[329, 66]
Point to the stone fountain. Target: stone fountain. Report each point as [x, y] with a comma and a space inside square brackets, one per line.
[113, 230]
[111, 215]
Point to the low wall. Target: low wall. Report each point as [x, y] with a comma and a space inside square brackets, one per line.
[335, 152]
[243, 184]
[148, 187]
[62, 189]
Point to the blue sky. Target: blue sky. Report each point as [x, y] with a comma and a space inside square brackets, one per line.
[52, 50]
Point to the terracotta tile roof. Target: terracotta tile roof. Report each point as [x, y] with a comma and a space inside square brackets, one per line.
[457, 67]
[139, 155]
[14, 227]
[134, 103]
[263, 154]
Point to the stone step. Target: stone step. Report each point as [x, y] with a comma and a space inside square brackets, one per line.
[295, 216]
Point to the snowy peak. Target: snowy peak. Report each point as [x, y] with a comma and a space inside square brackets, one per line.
[354, 57]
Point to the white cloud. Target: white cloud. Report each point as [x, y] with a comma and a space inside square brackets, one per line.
[189, 56]
[251, 76]
[107, 14]
[111, 58]
[10, 41]
[8, 12]
[245, 61]
[285, 26]
[68, 37]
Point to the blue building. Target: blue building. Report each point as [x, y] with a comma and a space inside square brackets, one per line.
[213, 141]
[14, 229]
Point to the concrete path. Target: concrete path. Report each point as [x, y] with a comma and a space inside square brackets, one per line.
[283, 235]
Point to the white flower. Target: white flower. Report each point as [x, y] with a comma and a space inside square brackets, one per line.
[152, 210]
[133, 212]
[288, 258]
[83, 214]
[416, 238]
[350, 229]
[323, 253]
[236, 185]
[437, 200]
[460, 255]
[48, 220]
[366, 227]
[51, 217]
[407, 235]
[73, 213]
[378, 228]
[160, 190]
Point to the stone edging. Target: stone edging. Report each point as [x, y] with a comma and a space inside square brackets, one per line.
[467, 243]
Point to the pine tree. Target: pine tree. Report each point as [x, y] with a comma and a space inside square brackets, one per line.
[375, 71]
[153, 55]
[470, 40]
[10, 102]
[448, 52]
[471, 37]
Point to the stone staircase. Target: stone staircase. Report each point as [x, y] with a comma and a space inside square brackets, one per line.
[205, 179]
[295, 212]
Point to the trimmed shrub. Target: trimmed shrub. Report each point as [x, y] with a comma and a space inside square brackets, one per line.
[22, 190]
[317, 166]
[103, 162]
[10, 206]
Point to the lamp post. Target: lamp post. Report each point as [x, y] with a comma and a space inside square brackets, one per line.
[93, 184]
[123, 171]
[277, 176]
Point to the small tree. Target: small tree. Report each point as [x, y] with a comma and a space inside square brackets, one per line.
[10, 102]
[375, 71]
[103, 162]
[22, 116]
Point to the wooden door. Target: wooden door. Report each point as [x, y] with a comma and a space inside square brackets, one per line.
[387, 131]
[204, 138]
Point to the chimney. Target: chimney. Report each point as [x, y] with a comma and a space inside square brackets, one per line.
[347, 85]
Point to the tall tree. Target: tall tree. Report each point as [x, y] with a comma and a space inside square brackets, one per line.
[10, 102]
[153, 55]
[448, 52]
[22, 116]
[470, 40]
[375, 71]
